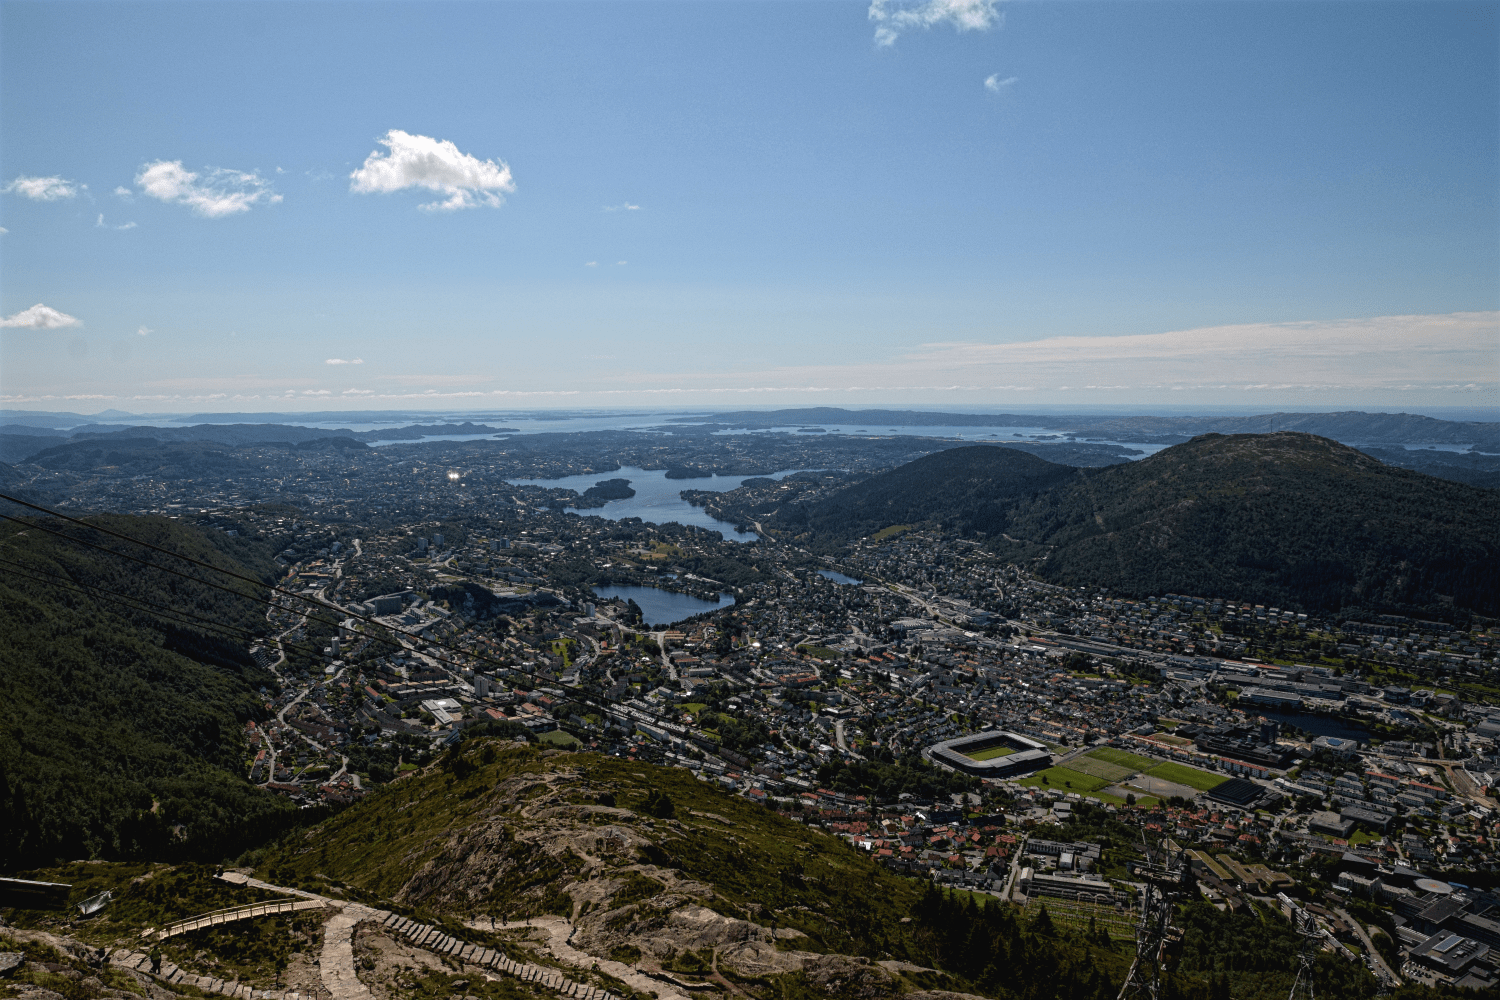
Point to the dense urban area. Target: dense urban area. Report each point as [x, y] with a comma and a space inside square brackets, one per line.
[916, 691]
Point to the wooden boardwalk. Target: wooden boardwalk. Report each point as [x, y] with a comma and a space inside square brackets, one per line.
[231, 914]
[336, 985]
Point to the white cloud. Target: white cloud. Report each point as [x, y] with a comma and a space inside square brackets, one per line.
[99, 224]
[316, 392]
[44, 188]
[125, 193]
[144, 331]
[620, 263]
[359, 392]
[993, 82]
[419, 161]
[592, 263]
[3, 230]
[892, 17]
[624, 206]
[342, 361]
[40, 317]
[213, 195]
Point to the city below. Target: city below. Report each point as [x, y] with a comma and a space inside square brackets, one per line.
[922, 691]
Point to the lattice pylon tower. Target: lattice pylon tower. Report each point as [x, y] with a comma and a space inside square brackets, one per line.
[1307, 955]
[1154, 932]
[1143, 982]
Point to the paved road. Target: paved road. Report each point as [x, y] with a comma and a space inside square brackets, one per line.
[660, 638]
[1015, 869]
[1370, 950]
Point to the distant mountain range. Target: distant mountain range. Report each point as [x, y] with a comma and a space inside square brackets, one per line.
[51, 446]
[1350, 427]
[1285, 518]
[1463, 451]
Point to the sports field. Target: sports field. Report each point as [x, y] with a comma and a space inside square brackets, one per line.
[1100, 768]
[991, 753]
[1190, 776]
[1134, 761]
[1066, 780]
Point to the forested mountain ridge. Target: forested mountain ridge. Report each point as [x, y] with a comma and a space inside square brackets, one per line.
[121, 733]
[967, 490]
[1285, 518]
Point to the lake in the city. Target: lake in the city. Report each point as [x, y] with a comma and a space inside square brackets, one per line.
[829, 574]
[657, 499]
[662, 607]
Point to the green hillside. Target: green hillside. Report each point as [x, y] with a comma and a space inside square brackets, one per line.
[967, 490]
[121, 733]
[1285, 518]
[642, 857]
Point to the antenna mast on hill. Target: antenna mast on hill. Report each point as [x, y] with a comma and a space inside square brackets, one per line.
[1156, 940]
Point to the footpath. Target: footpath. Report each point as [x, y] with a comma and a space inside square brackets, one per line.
[336, 964]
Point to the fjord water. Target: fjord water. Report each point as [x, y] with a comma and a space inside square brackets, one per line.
[657, 499]
[663, 607]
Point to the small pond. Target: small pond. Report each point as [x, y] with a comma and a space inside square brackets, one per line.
[829, 574]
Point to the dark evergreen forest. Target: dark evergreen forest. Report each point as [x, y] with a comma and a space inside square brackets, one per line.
[121, 731]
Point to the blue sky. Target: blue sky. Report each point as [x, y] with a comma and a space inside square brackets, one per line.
[731, 204]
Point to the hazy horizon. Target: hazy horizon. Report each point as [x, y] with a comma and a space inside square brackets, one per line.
[1479, 414]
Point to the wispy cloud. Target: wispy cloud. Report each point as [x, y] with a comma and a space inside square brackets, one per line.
[419, 161]
[124, 193]
[44, 188]
[40, 317]
[624, 206]
[343, 361]
[144, 331]
[99, 224]
[592, 263]
[1435, 354]
[993, 82]
[213, 195]
[892, 17]
[359, 392]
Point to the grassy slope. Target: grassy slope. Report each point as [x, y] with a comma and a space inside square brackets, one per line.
[105, 711]
[500, 832]
[757, 859]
